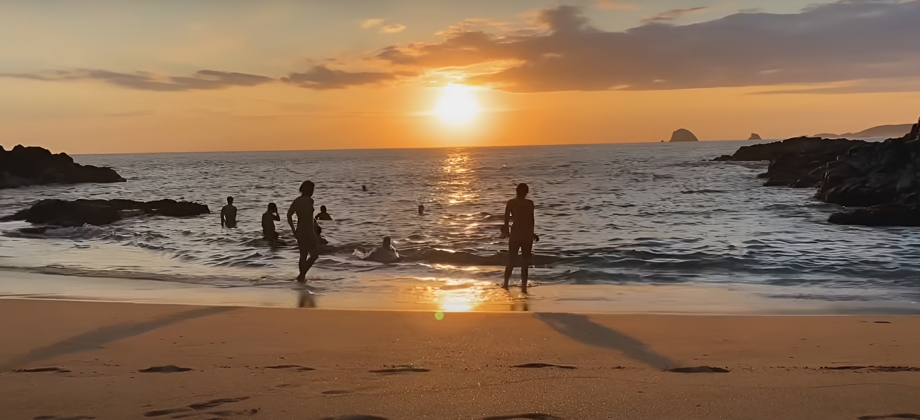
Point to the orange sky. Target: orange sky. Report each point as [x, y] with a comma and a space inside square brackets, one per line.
[590, 72]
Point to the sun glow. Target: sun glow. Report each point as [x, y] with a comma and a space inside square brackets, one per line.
[457, 105]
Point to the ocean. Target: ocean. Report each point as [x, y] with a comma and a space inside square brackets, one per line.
[610, 218]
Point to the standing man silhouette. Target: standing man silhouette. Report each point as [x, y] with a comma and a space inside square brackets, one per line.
[305, 230]
[228, 214]
[520, 211]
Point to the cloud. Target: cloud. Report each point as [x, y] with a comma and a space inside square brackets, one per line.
[846, 40]
[201, 80]
[392, 28]
[322, 78]
[370, 23]
[613, 5]
[673, 14]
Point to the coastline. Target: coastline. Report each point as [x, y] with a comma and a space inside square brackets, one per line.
[284, 363]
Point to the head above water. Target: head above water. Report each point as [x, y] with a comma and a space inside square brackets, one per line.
[522, 190]
[229, 200]
[322, 209]
[272, 207]
[307, 188]
[386, 241]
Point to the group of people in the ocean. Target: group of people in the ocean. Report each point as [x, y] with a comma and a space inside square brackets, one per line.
[518, 228]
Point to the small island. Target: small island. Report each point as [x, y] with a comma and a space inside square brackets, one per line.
[682, 135]
[755, 136]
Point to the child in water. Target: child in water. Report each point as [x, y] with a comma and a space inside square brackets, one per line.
[268, 223]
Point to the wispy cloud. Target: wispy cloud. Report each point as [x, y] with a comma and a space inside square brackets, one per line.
[370, 23]
[201, 80]
[322, 78]
[673, 14]
[392, 28]
[614, 5]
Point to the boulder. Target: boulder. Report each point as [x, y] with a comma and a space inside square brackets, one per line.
[102, 212]
[682, 135]
[793, 161]
[24, 166]
[755, 136]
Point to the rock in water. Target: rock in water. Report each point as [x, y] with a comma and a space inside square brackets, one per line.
[755, 136]
[24, 166]
[102, 212]
[682, 134]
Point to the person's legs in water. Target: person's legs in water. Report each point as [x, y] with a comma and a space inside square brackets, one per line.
[512, 256]
[526, 258]
[307, 247]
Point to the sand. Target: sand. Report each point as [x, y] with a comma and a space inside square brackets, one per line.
[94, 360]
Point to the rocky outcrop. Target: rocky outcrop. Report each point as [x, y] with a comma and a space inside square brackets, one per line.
[755, 136]
[682, 135]
[24, 166]
[793, 162]
[102, 212]
[881, 177]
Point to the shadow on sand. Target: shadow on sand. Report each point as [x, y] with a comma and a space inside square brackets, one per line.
[95, 338]
[580, 328]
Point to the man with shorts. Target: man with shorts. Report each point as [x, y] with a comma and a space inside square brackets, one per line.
[520, 211]
[305, 231]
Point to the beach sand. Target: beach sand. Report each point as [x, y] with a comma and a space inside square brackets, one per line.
[86, 361]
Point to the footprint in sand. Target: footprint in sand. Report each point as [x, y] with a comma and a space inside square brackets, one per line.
[699, 369]
[527, 416]
[395, 370]
[891, 416]
[197, 407]
[44, 369]
[63, 418]
[165, 369]
[295, 367]
[355, 417]
[542, 365]
[874, 368]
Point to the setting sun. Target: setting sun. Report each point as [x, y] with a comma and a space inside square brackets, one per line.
[457, 105]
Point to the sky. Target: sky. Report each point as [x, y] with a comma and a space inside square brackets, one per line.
[226, 75]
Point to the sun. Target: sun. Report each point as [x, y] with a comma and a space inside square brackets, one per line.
[457, 105]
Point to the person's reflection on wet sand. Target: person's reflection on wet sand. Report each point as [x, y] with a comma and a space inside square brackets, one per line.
[305, 299]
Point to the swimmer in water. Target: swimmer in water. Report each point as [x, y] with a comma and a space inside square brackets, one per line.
[323, 214]
[363, 188]
[520, 211]
[228, 214]
[305, 230]
[421, 209]
[268, 223]
[386, 253]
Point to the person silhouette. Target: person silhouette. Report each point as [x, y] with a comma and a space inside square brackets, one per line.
[305, 230]
[386, 253]
[228, 214]
[323, 214]
[421, 209]
[364, 188]
[268, 223]
[521, 234]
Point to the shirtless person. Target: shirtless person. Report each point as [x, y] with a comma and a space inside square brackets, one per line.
[305, 232]
[228, 214]
[268, 223]
[519, 210]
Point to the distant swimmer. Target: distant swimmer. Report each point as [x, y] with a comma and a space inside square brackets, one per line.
[520, 211]
[268, 223]
[305, 230]
[386, 253]
[363, 188]
[228, 214]
[323, 214]
[421, 209]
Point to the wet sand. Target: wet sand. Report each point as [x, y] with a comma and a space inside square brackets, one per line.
[94, 360]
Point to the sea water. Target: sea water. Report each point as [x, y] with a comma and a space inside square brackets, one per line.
[649, 214]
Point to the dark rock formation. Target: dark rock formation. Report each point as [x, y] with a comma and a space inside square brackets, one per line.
[683, 135]
[24, 166]
[101, 212]
[755, 136]
[793, 161]
[883, 177]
